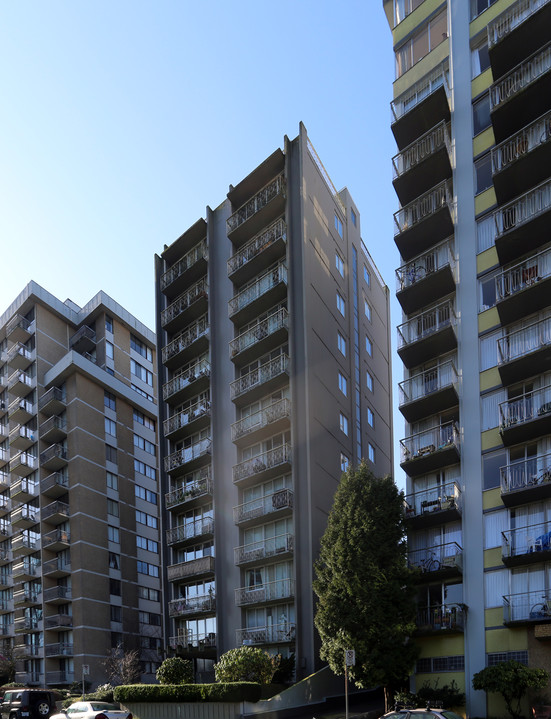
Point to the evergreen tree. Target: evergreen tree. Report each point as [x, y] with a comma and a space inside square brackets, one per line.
[365, 590]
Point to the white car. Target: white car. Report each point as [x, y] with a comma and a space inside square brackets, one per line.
[93, 710]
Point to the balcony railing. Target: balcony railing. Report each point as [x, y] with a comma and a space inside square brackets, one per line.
[272, 634]
[425, 206]
[441, 617]
[54, 398]
[428, 382]
[186, 338]
[281, 409]
[267, 592]
[195, 292]
[526, 408]
[23, 380]
[61, 677]
[262, 462]
[262, 506]
[533, 606]
[58, 565]
[520, 77]
[511, 19]
[85, 336]
[263, 549]
[426, 323]
[55, 508]
[436, 499]
[53, 453]
[525, 473]
[526, 540]
[192, 605]
[53, 593]
[523, 209]
[199, 252]
[525, 274]
[524, 341]
[190, 530]
[18, 322]
[201, 408]
[188, 454]
[200, 486]
[259, 376]
[422, 89]
[425, 146]
[186, 377]
[425, 265]
[514, 148]
[261, 286]
[429, 441]
[276, 321]
[202, 640]
[276, 231]
[274, 188]
[201, 566]
[437, 558]
[59, 649]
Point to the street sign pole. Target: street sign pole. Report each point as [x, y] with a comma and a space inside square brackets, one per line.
[349, 661]
[85, 672]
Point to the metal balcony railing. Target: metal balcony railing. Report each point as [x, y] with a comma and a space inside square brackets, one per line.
[526, 408]
[532, 606]
[522, 275]
[54, 451]
[441, 617]
[54, 394]
[56, 565]
[60, 677]
[84, 333]
[523, 209]
[197, 484]
[190, 530]
[264, 548]
[436, 499]
[197, 291]
[199, 252]
[520, 77]
[425, 265]
[429, 441]
[272, 634]
[259, 287]
[192, 568]
[513, 148]
[267, 592]
[425, 146]
[424, 206]
[262, 198]
[525, 473]
[423, 88]
[262, 506]
[266, 327]
[436, 558]
[260, 375]
[58, 621]
[525, 540]
[524, 341]
[188, 454]
[511, 19]
[201, 408]
[426, 383]
[23, 378]
[192, 605]
[185, 377]
[58, 649]
[61, 508]
[53, 593]
[186, 338]
[280, 409]
[19, 350]
[262, 462]
[426, 323]
[276, 231]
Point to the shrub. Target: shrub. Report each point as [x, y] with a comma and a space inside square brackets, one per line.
[175, 670]
[448, 694]
[512, 680]
[104, 693]
[246, 664]
[227, 692]
[285, 671]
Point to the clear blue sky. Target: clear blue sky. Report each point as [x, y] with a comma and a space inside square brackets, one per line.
[121, 120]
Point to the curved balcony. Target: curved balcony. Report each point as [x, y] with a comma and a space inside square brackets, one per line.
[431, 507]
[526, 545]
[442, 561]
[189, 458]
[526, 417]
[192, 341]
[22, 437]
[430, 450]
[193, 490]
[261, 337]
[272, 634]
[52, 402]
[190, 531]
[427, 278]
[55, 485]
[278, 503]
[20, 357]
[263, 466]
[527, 480]
[525, 352]
[192, 606]
[532, 607]
[264, 207]
[263, 380]
[267, 421]
[277, 591]
[201, 567]
[190, 305]
[84, 340]
[264, 292]
[192, 379]
[439, 618]
[192, 419]
[186, 270]
[423, 163]
[522, 95]
[55, 513]
[54, 458]
[270, 549]
[264, 248]
[416, 110]
[524, 288]
[20, 411]
[427, 335]
[521, 225]
[20, 383]
[19, 329]
[429, 392]
[53, 429]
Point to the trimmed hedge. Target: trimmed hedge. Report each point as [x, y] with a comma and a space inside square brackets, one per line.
[222, 692]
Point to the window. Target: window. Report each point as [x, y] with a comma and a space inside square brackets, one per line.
[113, 534]
[367, 276]
[370, 417]
[371, 452]
[111, 453]
[343, 383]
[150, 618]
[481, 114]
[140, 347]
[339, 264]
[341, 344]
[144, 419]
[110, 427]
[353, 217]
[345, 462]
[487, 287]
[480, 59]
[149, 593]
[110, 371]
[116, 613]
[109, 400]
[148, 544]
[139, 390]
[112, 508]
[109, 323]
[483, 173]
[402, 8]
[485, 233]
[338, 224]
[146, 568]
[146, 445]
[367, 309]
[368, 346]
[428, 665]
[369, 380]
[145, 494]
[340, 303]
[114, 560]
[490, 468]
[141, 372]
[115, 587]
[422, 42]
[148, 519]
[478, 6]
[112, 481]
[109, 350]
[145, 469]
[343, 423]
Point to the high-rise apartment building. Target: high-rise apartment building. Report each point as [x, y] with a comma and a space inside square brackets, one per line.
[472, 121]
[79, 509]
[274, 363]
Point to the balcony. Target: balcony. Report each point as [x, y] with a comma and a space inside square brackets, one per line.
[422, 164]
[524, 288]
[6, 629]
[527, 608]
[526, 417]
[26, 571]
[521, 225]
[20, 357]
[516, 33]
[25, 517]
[525, 352]
[272, 634]
[20, 383]
[527, 480]
[265, 248]
[427, 220]
[83, 341]
[428, 335]
[28, 679]
[190, 305]
[25, 544]
[201, 567]
[263, 466]
[52, 402]
[263, 380]
[19, 329]
[417, 110]
[6, 579]
[27, 651]
[185, 460]
[272, 548]
[55, 485]
[23, 490]
[58, 595]
[261, 294]
[265, 335]
[55, 513]
[4, 475]
[268, 421]
[5, 505]
[56, 568]
[20, 411]
[522, 95]
[526, 545]
[186, 270]
[56, 540]
[268, 592]
[264, 207]
[26, 599]
[427, 278]
[22, 437]
[522, 161]
[54, 458]
[202, 644]
[60, 677]
[193, 341]
[190, 531]
[192, 419]
[59, 649]
[435, 506]
[430, 450]
[430, 392]
[4, 431]
[4, 459]
[439, 562]
[441, 618]
[192, 379]
[6, 556]
[193, 490]
[192, 606]
[279, 503]
[53, 429]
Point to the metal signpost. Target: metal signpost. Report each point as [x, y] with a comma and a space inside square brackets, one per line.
[349, 661]
[85, 673]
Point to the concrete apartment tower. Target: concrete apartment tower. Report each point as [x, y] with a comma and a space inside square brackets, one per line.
[274, 361]
[472, 121]
[79, 510]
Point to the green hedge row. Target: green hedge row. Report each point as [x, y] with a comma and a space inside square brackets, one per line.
[228, 692]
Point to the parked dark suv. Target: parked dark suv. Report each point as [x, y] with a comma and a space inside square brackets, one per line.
[28, 704]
